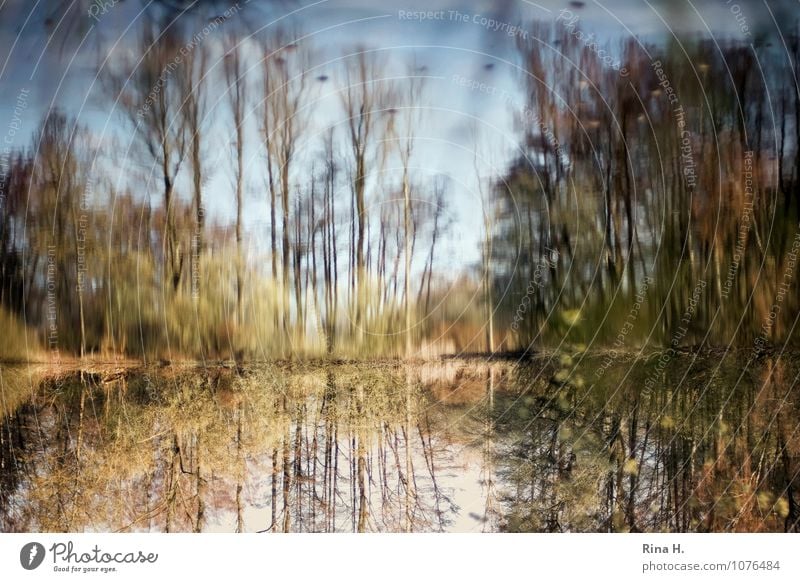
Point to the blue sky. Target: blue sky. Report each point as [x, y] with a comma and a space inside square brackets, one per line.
[54, 55]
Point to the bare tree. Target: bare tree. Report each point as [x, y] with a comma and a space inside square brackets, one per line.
[237, 99]
[283, 121]
[411, 97]
[194, 111]
[486, 247]
[363, 99]
[439, 227]
[329, 255]
[60, 178]
[150, 95]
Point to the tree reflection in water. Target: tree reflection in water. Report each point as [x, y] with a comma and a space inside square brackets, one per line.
[439, 446]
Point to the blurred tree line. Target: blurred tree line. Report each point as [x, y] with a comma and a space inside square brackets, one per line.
[684, 174]
[673, 217]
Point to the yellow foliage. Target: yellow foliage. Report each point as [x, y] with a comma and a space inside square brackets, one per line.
[765, 500]
[782, 507]
[631, 467]
[571, 316]
[17, 343]
[667, 422]
[561, 376]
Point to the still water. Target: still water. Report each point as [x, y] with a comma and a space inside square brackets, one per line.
[567, 442]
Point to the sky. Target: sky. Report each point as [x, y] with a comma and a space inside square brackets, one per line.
[51, 51]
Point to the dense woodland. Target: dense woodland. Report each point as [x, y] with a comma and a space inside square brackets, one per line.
[674, 188]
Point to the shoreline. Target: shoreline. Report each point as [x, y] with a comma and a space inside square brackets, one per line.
[76, 364]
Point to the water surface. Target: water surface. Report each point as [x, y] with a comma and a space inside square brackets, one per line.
[702, 443]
